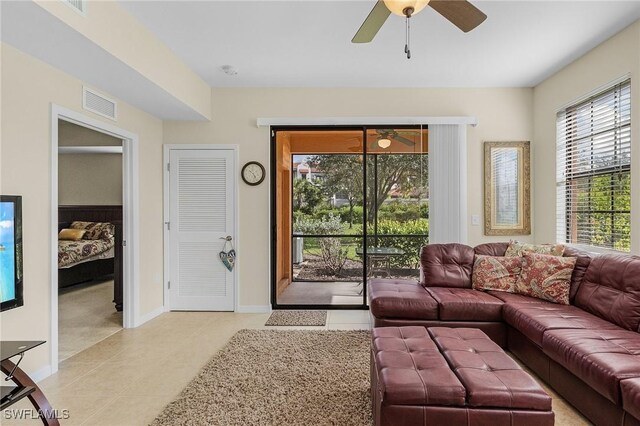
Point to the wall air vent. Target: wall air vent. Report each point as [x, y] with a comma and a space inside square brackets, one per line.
[79, 6]
[99, 104]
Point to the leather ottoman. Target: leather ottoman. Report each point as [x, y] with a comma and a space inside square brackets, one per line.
[450, 376]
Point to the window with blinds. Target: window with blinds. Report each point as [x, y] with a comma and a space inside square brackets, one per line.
[594, 170]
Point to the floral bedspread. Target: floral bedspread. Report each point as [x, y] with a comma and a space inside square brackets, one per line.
[70, 252]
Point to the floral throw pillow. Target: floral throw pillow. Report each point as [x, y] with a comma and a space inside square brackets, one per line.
[95, 230]
[496, 273]
[517, 249]
[546, 277]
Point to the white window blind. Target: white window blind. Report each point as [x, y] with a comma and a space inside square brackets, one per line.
[593, 177]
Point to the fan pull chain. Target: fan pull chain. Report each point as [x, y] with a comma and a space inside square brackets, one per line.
[407, 44]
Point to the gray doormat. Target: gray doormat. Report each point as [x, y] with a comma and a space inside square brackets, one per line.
[297, 318]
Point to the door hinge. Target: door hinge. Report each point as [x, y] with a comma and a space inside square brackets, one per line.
[168, 167]
[168, 226]
[124, 243]
[168, 284]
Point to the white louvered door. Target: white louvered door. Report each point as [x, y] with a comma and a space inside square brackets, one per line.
[202, 187]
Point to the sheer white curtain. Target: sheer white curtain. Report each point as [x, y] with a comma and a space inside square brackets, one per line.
[448, 183]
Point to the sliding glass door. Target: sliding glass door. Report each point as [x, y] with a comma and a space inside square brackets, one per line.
[397, 214]
[349, 204]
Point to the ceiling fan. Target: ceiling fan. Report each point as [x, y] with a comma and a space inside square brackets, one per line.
[385, 136]
[460, 13]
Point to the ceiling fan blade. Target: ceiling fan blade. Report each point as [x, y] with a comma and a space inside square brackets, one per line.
[404, 140]
[372, 24]
[461, 13]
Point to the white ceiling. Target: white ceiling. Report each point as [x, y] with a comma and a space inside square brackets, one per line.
[308, 43]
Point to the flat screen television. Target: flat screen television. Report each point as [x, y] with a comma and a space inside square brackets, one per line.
[10, 252]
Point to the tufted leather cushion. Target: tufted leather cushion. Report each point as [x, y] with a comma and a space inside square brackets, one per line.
[446, 265]
[411, 369]
[600, 358]
[459, 304]
[491, 249]
[630, 389]
[583, 259]
[491, 377]
[513, 298]
[400, 299]
[611, 290]
[533, 320]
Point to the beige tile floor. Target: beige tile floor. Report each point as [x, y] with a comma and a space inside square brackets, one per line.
[127, 378]
[86, 315]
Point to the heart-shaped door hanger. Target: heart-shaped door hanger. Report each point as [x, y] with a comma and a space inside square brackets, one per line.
[228, 257]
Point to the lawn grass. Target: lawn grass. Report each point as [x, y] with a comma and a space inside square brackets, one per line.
[312, 246]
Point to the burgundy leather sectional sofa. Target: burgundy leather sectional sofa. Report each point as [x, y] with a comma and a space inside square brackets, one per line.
[589, 351]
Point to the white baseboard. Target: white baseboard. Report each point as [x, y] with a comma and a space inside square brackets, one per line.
[149, 316]
[253, 309]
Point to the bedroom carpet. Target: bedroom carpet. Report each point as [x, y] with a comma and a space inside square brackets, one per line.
[86, 315]
[272, 377]
[284, 318]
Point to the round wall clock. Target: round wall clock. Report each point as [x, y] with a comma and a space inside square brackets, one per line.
[253, 173]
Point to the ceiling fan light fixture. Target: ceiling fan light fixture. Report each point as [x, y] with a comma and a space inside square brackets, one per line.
[401, 7]
[384, 143]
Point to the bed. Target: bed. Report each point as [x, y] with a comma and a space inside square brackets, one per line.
[91, 259]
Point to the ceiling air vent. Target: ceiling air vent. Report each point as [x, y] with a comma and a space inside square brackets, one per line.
[99, 104]
[79, 6]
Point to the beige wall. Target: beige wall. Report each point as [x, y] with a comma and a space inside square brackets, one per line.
[70, 134]
[503, 114]
[89, 179]
[611, 60]
[28, 89]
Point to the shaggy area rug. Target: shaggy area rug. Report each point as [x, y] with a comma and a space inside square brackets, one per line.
[297, 318]
[272, 377]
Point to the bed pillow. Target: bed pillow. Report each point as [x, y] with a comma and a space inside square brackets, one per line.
[546, 277]
[95, 230]
[71, 234]
[517, 249]
[496, 273]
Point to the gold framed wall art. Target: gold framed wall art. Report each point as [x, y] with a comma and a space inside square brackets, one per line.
[507, 191]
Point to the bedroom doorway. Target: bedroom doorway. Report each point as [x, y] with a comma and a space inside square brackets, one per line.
[90, 191]
[94, 239]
